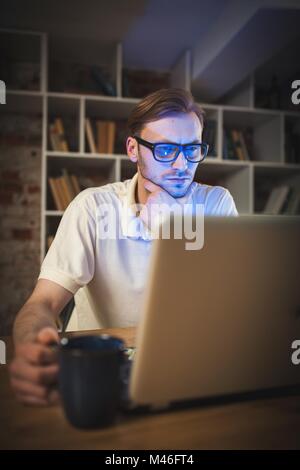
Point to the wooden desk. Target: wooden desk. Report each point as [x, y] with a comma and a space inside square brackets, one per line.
[267, 424]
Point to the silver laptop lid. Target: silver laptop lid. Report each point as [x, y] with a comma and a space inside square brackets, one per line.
[221, 319]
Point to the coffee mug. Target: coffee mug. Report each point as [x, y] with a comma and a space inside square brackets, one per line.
[89, 379]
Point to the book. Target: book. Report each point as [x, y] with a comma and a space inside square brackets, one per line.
[68, 185]
[56, 194]
[54, 138]
[90, 136]
[230, 148]
[104, 83]
[111, 133]
[244, 146]
[121, 136]
[225, 145]
[293, 204]
[209, 136]
[276, 200]
[62, 191]
[237, 144]
[63, 144]
[75, 184]
[101, 127]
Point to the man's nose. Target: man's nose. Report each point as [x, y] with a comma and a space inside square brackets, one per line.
[180, 163]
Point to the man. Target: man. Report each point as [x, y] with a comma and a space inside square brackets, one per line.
[165, 141]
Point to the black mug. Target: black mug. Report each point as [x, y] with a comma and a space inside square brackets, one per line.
[89, 379]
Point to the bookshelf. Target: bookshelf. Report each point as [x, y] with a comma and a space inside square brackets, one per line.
[271, 163]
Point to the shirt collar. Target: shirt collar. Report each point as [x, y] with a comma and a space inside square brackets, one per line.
[132, 225]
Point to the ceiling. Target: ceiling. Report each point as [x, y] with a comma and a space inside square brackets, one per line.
[154, 33]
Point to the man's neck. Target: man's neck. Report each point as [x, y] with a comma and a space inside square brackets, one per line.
[141, 193]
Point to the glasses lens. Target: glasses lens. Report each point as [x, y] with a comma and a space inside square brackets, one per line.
[196, 152]
[165, 152]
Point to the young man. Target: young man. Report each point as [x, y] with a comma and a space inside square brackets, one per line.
[109, 272]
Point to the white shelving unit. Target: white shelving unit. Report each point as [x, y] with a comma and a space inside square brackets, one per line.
[244, 179]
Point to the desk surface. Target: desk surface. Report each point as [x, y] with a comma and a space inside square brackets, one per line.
[261, 424]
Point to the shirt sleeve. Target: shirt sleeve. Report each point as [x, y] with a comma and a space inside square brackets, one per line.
[70, 261]
[226, 206]
[219, 202]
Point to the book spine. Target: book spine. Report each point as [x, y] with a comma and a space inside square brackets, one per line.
[75, 184]
[55, 194]
[111, 132]
[90, 136]
[63, 195]
[61, 134]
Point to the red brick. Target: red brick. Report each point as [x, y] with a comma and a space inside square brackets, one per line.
[12, 186]
[33, 188]
[11, 175]
[22, 234]
[6, 198]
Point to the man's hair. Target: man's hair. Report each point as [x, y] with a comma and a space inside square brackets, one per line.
[160, 104]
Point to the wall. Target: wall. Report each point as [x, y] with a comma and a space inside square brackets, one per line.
[20, 187]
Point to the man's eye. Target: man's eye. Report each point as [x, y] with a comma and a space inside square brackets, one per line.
[192, 148]
[165, 149]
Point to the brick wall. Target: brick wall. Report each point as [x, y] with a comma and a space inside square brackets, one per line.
[20, 192]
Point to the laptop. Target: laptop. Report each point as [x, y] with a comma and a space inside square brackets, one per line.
[219, 321]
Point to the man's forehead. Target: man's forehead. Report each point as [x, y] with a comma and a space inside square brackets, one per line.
[179, 128]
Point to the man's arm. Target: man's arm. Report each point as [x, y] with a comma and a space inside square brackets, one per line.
[41, 310]
[33, 372]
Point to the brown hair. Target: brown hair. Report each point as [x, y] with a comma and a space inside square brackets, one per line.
[160, 104]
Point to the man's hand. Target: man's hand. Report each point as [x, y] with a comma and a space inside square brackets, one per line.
[158, 198]
[34, 370]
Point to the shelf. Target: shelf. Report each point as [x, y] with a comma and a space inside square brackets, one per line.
[246, 180]
[265, 128]
[81, 65]
[78, 163]
[266, 178]
[119, 108]
[53, 213]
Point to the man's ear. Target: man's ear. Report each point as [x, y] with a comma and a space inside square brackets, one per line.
[132, 149]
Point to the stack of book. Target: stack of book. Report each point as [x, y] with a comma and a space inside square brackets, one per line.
[209, 136]
[292, 142]
[105, 136]
[63, 189]
[74, 77]
[237, 144]
[57, 136]
[283, 200]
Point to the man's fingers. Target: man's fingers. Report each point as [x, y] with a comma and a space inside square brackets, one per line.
[29, 388]
[31, 400]
[47, 336]
[36, 354]
[53, 396]
[151, 187]
[45, 375]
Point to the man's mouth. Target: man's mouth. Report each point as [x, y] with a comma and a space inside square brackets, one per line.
[179, 179]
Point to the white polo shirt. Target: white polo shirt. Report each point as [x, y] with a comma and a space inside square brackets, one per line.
[107, 276]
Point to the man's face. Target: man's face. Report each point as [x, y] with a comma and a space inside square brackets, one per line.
[174, 177]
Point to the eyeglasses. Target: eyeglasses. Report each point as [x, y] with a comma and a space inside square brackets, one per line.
[168, 152]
